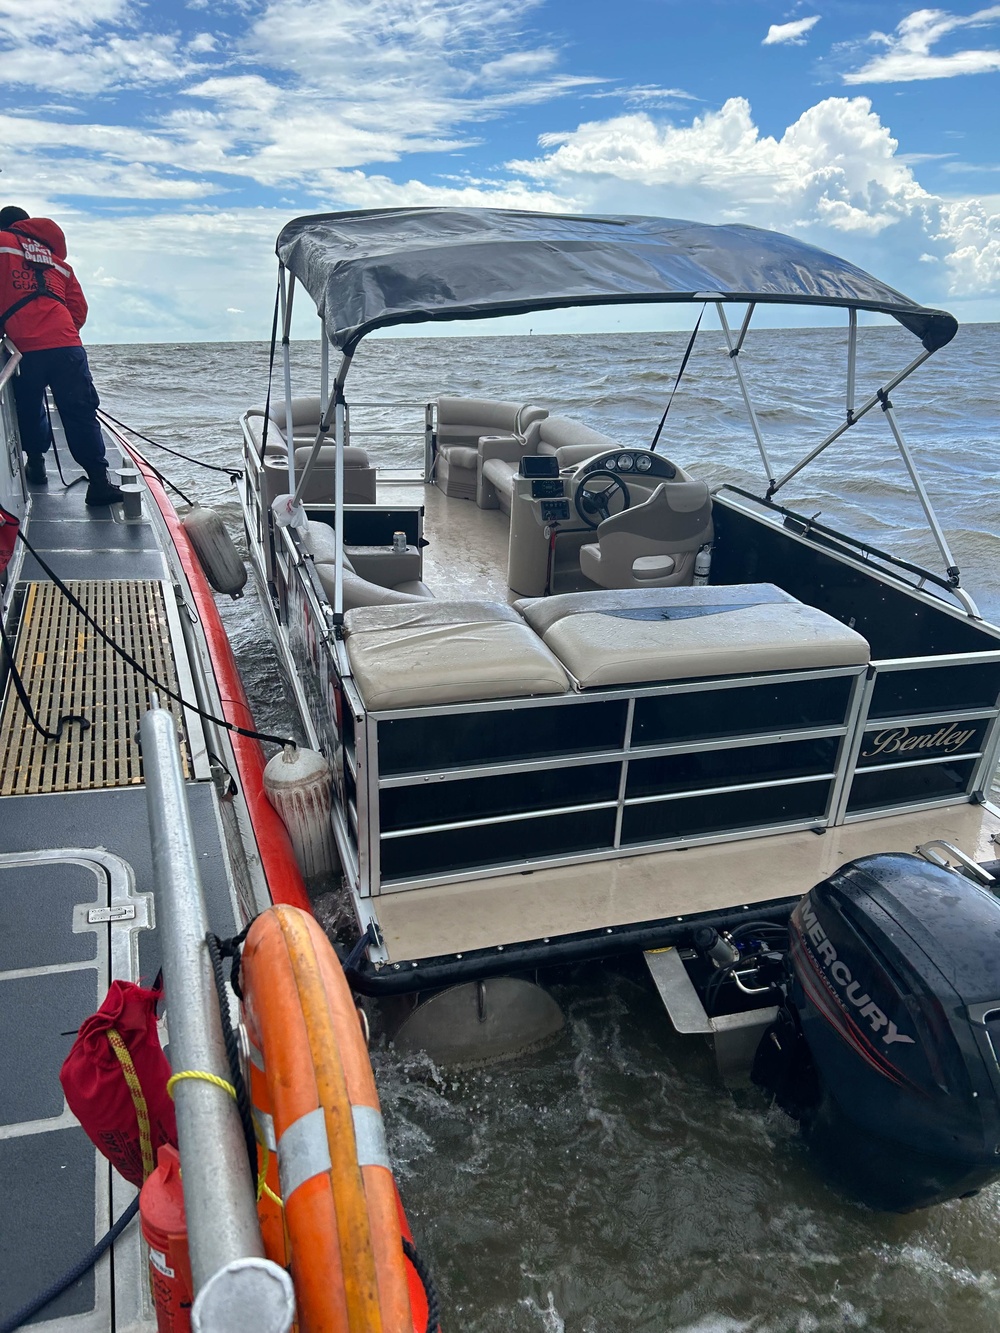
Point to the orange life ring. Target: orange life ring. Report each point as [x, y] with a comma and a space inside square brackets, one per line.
[341, 1229]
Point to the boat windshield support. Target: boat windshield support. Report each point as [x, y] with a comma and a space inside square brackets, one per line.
[951, 569]
[287, 293]
[734, 356]
[227, 1262]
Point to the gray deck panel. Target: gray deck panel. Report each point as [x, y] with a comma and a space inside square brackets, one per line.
[116, 820]
[47, 1220]
[97, 563]
[39, 1017]
[36, 914]
[49, 534]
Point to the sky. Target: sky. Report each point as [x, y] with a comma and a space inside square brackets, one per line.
[172, 140]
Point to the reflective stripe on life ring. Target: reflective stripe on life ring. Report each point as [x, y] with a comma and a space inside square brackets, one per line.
[317, 1088]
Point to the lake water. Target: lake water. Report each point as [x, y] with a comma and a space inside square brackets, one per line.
[609, 1183]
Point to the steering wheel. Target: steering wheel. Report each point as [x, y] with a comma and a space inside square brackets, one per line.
[594, 504]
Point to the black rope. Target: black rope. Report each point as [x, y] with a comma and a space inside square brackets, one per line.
[64, 718]
[160, 476]
[84, 1265]
[234, 474]
[137, 666]
[684, 360]
[215, 947]
[55, 451]
[270, 371]
[430, 1290]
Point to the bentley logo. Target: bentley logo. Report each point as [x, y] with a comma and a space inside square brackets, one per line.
[900, 740]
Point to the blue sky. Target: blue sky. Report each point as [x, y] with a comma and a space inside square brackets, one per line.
[172, 140]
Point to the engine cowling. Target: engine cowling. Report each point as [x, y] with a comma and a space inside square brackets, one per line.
[895, 993]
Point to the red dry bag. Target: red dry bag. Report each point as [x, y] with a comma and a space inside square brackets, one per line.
[8, 536]
[115, 1081]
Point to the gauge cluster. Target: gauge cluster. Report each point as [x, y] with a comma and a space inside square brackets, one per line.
[633, 461]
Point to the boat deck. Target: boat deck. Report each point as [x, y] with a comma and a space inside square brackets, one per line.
[74, 852]
[467, 554]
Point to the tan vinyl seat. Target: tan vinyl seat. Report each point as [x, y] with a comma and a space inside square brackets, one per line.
[569, 442]
[447, 652]
[631, 636]
[460, 424]
[319, 541]
[653, 544]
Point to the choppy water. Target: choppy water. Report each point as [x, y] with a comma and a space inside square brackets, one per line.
[609, 1183]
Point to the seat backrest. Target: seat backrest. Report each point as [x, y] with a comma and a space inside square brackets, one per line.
[677, 515]
[305, 412]
[490, 413]
[559, 433]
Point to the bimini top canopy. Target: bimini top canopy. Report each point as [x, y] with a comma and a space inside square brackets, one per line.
[370, 269]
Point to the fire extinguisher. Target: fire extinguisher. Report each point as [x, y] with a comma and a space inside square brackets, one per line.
[161, 1215]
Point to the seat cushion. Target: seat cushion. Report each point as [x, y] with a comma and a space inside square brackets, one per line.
[447, 652]
[628, 636]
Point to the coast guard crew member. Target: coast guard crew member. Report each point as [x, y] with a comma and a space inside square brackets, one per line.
[42, 309]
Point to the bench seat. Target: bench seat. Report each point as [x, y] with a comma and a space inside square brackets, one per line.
[630, 636]
[447, 652]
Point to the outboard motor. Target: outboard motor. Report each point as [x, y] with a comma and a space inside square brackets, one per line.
[887, 1046]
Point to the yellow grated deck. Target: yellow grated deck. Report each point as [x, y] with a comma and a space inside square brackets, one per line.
[67, 668]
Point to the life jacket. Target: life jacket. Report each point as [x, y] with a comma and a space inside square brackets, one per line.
[41, 303]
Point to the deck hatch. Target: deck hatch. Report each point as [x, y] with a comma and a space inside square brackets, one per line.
[68, 668]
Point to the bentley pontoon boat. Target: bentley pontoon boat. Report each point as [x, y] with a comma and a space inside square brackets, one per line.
[577, 704]
[116, 859]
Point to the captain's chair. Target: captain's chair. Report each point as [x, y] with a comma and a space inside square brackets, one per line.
[653, 544]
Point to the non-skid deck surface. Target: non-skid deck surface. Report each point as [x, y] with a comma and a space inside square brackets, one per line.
[467, 554]
[67, 668]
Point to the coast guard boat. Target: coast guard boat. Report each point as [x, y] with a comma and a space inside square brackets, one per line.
[577, 703]
[133, 821]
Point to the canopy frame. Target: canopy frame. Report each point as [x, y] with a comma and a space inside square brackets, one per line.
[333, 402]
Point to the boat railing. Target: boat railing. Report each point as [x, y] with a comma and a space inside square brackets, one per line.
[228, 1269]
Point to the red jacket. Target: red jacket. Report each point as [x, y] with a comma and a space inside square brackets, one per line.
[31, 251]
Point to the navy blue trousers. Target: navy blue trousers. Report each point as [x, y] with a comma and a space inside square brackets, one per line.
[66, 372]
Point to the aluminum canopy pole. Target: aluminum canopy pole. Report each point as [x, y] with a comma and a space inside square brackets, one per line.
[852, 360]
[734, 356]
[287, 294]
[338, 509]
[228, 1269]
[951, 568]
[836, 434]
[324, 426]
[324, 367]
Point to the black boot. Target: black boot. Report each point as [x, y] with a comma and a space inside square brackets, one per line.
[34, 470]
[102, 491]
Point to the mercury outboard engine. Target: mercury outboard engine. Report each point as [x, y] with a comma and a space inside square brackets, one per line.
[886, 1048]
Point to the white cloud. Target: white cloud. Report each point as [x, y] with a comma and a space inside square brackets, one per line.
[908, 50]
[793, 33]
[519, 64]
[833, 177]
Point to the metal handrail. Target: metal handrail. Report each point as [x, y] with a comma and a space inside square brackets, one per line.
[11, 364]
[228, 1269]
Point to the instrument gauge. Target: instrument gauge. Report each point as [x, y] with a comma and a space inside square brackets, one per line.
[643, 463]
[625, 462]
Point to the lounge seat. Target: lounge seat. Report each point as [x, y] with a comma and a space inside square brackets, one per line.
[359, 475]
[447, 652]
[460, 423]
[319, 541]
[570, 442]
[628, 636]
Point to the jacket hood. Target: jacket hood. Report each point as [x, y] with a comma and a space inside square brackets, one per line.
[45, 230]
